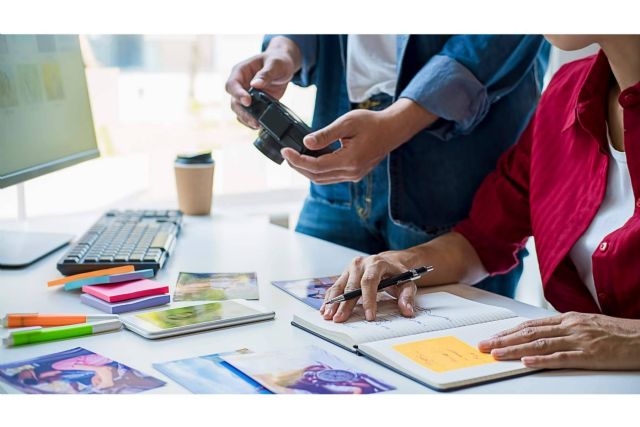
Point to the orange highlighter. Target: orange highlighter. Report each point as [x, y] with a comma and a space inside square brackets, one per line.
[21, 320]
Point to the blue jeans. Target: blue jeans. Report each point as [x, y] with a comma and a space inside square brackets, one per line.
[356, 215]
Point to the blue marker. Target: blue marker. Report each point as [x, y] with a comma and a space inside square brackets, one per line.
[109, 280]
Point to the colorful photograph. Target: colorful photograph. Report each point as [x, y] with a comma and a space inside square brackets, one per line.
[312, 291]
[211, 375]
[306, 370]
[194, 314]
[75, 371]
[309, 291]
[216, 286]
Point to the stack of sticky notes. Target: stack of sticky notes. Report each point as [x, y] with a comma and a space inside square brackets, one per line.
[126, 296]
[117, 290]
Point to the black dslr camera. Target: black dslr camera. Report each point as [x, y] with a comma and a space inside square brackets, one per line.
[279, 128]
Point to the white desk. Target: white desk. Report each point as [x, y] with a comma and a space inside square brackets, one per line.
[251, 244]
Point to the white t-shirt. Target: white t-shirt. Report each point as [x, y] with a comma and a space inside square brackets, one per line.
[371, 65]
[616, 209]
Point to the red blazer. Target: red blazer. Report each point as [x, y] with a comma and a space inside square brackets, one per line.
[550, 186]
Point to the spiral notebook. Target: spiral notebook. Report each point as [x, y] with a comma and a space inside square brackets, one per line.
[437, 347]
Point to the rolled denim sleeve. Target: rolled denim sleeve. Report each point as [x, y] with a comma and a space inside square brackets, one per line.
[470, 73]
[308, 45]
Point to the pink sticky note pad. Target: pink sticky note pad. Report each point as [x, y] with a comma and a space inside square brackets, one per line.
[126, 290]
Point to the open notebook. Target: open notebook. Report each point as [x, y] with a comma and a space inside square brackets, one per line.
[437, 347]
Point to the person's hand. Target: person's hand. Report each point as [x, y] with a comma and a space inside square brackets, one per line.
[366, 273]
[366, 138]
[570, 340]
[270, 71]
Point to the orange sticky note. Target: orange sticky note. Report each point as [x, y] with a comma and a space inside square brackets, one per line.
[96, 273]
[443, 354]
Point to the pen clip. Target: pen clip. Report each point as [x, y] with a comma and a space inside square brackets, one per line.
[414, 275]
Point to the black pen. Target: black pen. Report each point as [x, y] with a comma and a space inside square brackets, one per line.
[407, 276]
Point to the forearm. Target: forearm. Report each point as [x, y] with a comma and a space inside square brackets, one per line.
[284, 45]
[454, 258]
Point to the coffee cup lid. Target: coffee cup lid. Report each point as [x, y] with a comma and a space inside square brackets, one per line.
[201, 157]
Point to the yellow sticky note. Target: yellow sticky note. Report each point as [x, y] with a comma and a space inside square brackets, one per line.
[443, 354]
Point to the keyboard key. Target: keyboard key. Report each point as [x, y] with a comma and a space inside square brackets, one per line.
[163, 241]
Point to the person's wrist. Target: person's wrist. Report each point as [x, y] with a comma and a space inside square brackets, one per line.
[286, 49]
[405, 118]
[409, 258]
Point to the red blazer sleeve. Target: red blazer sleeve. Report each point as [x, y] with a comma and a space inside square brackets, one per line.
[499, 223]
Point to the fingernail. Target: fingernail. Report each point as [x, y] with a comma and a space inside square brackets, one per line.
[497, 352]
[368, 314]
[410, 307]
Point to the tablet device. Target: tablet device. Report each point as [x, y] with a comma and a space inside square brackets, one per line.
[192, 317]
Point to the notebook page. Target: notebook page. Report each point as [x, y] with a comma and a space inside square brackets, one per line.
[433, 312]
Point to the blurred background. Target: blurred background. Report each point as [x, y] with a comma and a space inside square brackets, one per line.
[154, 96]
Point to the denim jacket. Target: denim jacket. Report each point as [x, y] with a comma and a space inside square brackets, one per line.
[484, 88]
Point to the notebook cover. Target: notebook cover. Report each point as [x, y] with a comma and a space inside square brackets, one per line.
[125, 306]
[109, 279]
[127, 290]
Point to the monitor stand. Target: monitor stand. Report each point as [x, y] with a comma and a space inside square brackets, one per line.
[20, 248]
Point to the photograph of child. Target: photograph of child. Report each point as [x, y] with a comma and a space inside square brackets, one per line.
[75, 371]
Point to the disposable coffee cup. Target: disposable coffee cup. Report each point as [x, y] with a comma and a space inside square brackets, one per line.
[194, 182]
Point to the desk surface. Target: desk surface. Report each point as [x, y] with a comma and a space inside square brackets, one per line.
[218, 244]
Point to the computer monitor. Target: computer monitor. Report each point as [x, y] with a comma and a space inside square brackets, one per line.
[45, 123]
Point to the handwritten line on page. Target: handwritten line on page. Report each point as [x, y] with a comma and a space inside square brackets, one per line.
[433, 312]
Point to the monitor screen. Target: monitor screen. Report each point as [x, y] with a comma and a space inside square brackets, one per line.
[45, 116]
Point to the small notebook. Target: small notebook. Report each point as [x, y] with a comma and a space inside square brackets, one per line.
[127, 290]
[125, 306]
[437, 347]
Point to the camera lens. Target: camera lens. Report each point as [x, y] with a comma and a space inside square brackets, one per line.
[268, 146]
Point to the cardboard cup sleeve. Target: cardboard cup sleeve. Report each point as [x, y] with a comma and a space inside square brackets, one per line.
[194, 183]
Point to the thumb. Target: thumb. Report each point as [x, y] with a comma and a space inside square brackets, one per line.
[265, 76]
[326, 136]
[406, 299]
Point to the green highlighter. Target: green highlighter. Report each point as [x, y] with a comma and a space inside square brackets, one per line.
[39, 334]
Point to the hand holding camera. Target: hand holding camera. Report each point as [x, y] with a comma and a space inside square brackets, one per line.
[270, 71]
